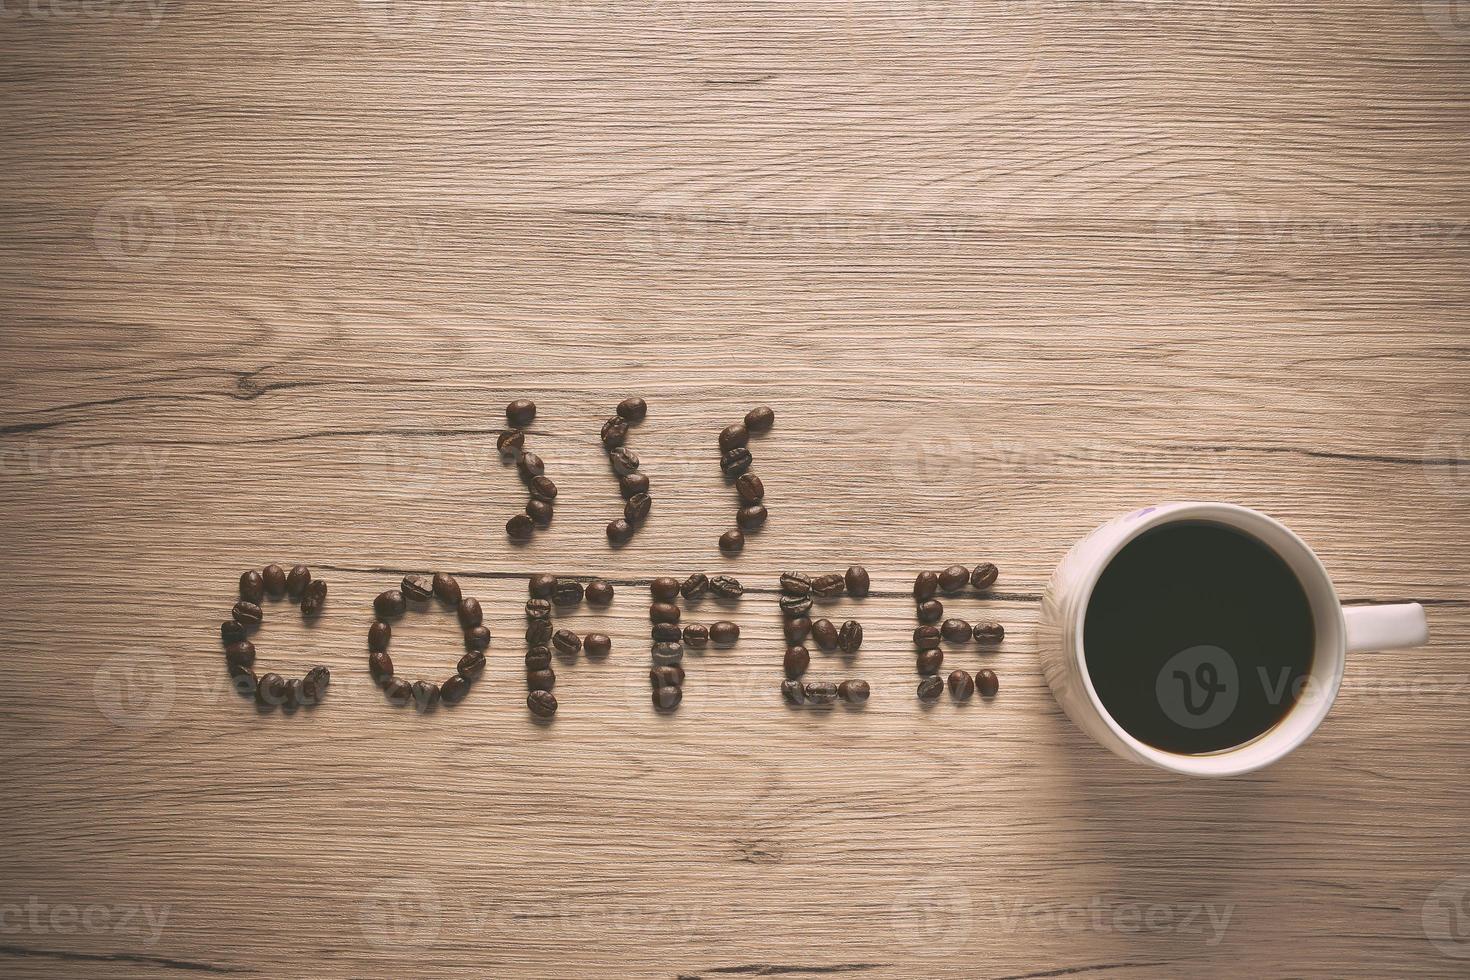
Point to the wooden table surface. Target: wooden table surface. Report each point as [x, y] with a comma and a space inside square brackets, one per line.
[1004, 270]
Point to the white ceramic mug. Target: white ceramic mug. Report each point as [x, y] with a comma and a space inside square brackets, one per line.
[1338, 631]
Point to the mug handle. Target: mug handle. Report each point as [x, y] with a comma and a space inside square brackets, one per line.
[1385, 627]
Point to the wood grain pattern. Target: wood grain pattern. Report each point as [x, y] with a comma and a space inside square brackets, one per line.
[1004, 269]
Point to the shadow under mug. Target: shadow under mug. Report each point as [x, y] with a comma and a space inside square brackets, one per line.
[1337, 631]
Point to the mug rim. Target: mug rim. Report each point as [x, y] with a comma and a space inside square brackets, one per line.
[1327, 617]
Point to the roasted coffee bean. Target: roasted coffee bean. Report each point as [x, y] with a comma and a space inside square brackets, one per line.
[416, 588]
[476, 638]
[242, 653]
[723, 633]
[271, 689]
[750, 488]
[961, 685]
[733, 437]
[930, 688]
[663, 612]
[379, 634]
[667, 633]
[632, 485]
[953, 579]
[796, 662]
[273, 577]
[540, 680]
[538, 658]
[984, 575]
[510, 442]
[567, 642]
[295, 694]
[540, 512]
[857, 581]
[389, 604]
[927, 637]
[446, 587]
[796, 629]
[543, 488]
[520, 413]
[821, 692]
[244, 681]
[955, 631]
[597, 645]
[469, 613]
[635, 511]
[231, 631]
[667, 698]
[599, 592]
[614, 432]
[732, 542]
[752, 517]
[668, 653]
[619, 532]
[696, 635]
[669, 676]
[989, 632]
[726, 587]
[472, 664]
[850, 636]
[633, 409]
[453, 690]
[929, 661]
[665, 588]
[252, 586]
[314, 685]
[247, 613]
[380, 665]
[237, 669]
[538, 632]
[541, 703]
[315, 597]
[825, 632]
[695, 586]
[541, 586]
[530, 465]
[987, 683]
[296, 581]
[538, 609]
[735, 462]
[425, 695]
[793, 691]
[929, 611]
[796, 605]
[399, 692]
[520, 527]
[828, 586]
[568, 592]
[624, 461]
[853, 692]
[795, 583]
[925, 585]
[760, 419]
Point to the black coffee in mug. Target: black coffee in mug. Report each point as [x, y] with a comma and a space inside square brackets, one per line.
[1197, 638]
